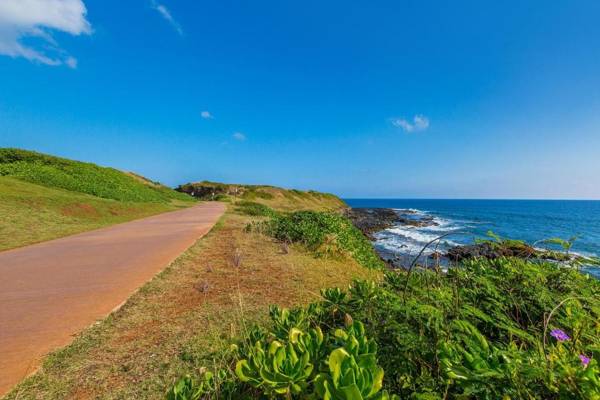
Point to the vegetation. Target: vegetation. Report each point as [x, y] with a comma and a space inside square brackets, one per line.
[342, 365]
[490, 329]
[276, 198]
[255, 209]
[82, 177]
[326, 233]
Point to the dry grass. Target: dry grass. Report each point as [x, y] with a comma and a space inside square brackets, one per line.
[294, 200]
[178, 322]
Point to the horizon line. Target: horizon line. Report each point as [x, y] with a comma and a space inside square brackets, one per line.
[464, 198]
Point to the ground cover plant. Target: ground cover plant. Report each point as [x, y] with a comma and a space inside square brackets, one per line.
[82, 177]
[490, 329]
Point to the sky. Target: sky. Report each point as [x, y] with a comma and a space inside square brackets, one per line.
[393, 98]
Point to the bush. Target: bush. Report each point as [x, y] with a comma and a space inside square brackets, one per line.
[255, 209]
[325, 233]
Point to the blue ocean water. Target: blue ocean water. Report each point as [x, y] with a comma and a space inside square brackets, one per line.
[528, 220]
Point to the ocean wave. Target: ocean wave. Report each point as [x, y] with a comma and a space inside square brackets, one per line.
[402, 247]
[411, 210]
[415, 234]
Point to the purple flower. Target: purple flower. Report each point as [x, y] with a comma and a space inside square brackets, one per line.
[559, 335]
[585, 360]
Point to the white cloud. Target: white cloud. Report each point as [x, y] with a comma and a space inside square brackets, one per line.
[418, 123]
[239, 136]
[206, 115]
[166, 14]
[71, 62]
[36, 19]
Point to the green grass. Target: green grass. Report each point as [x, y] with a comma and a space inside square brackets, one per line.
[31, 213]
[81, 177]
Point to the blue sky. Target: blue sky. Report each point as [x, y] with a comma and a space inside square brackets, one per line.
[463, 99]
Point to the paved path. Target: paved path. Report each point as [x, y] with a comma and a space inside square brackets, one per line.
[52, 290]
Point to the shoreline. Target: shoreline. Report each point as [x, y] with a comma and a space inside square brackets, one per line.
[379, 223]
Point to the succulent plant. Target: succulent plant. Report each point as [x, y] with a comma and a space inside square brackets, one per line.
[334, 297]
[347, 380]
[356, 343]
[278, 369]
[284, 320]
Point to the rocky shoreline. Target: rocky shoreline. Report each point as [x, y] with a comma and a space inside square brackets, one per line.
[373, 220]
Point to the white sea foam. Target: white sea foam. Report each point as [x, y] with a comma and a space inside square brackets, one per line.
[412, 233]
[415, 234]
[410, 210]
[409, 240]
[395, 245]
[443, 225]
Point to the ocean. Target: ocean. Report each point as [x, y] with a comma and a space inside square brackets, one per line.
[528, 220]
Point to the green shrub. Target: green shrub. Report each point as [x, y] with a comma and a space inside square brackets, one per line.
[255, 209]
[81, 177]
[325, 233]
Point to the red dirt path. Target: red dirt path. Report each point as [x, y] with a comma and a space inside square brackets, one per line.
[52, 290]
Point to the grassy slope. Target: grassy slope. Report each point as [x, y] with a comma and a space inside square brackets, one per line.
[44, 197]
[176, 323]
[76, 176]
[294, 200]
[274, 197]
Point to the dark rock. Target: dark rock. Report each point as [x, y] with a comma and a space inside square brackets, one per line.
[418, 222]
[491, 251]
[372, 220]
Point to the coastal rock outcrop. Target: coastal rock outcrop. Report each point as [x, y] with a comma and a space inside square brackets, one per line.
[373, 220]
[491, 251]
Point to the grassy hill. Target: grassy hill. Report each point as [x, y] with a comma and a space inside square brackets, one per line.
[76, 176]
[44, 197]
[271, 196]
